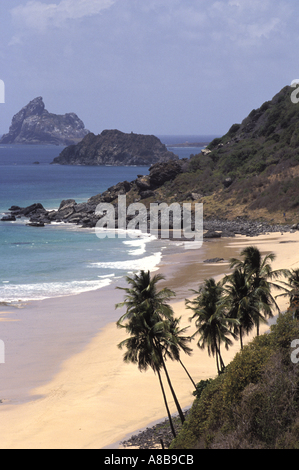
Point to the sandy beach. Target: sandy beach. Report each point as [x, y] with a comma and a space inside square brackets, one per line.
[64, 383]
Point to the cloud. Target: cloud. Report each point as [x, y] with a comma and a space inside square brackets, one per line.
[39, 15]
[244, 23]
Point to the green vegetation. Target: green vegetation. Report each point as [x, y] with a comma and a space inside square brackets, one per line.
[256, 278]
[254, 400]
[212, 323]
[293, 293]
[254, 404]
[260, 156]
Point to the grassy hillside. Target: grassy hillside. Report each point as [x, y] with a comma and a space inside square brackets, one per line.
[255, 402]
[252, 170]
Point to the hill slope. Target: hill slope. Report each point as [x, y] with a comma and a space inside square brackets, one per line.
[251, 171]
[254, 167]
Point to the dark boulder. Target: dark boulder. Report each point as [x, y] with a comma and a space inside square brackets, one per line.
[8, 218]
[143, 183]
[227, 182]
[111, 194]
[36, 224]
[162, 172]
[146, 194]
[213, 260]
[33, 209]
[66, 203]
[212, 234]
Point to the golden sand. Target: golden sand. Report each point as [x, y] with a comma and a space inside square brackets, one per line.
[94, 399]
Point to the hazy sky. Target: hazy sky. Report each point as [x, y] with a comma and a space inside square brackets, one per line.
[147, 66]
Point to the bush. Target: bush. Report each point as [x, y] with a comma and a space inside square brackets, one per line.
[200, 387]
[255, 402]
[214, 143]
[234, 128]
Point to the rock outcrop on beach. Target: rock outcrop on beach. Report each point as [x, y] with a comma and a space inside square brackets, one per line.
[33, 124]
[84, 214]
[247, 181]
[116, 148]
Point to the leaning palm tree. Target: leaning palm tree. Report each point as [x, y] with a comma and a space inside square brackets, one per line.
[140, 350]
[143, 294]
[210, 320]
[261, 276]
[145, 301]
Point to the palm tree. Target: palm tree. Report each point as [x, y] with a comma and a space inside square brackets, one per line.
[241, 302]
[261, 275]
[143, 294]
[145, 301]
[140, 350]
[211, 321]
[293, 294]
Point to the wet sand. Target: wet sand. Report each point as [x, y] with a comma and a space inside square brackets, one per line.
[64, 383]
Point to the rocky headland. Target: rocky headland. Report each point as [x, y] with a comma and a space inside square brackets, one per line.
[147, 189]
[230, 177]
[115, 148]
[33, 124]
[84, 215]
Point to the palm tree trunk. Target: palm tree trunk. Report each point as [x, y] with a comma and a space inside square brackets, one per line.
[158, 349]
[217, 362]
[241, 337]
[166, 405]
[188, 374]
[173, 393]
[222, 366]
[222, 363]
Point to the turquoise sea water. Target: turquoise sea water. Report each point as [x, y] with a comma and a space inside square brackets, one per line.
[63, 259]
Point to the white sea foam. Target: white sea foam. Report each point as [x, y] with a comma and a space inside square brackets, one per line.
[26, 292]
[146, 263]
[138, 245]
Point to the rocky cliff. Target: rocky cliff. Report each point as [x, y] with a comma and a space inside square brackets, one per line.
[115, 148]
[35, 125]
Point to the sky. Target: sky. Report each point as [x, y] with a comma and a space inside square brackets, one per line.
[162, 67]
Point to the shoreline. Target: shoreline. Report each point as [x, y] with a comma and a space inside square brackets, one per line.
[77, 371]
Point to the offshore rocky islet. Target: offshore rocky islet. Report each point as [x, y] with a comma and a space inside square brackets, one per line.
[256, 152]
[33, 124]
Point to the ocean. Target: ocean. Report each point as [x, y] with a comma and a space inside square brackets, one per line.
[64, 259]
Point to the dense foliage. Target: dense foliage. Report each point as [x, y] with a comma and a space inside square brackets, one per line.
[259, 158]
[255, 402]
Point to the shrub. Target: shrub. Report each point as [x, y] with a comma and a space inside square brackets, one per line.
[255, 402]
[234, 128]
[214, 143]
